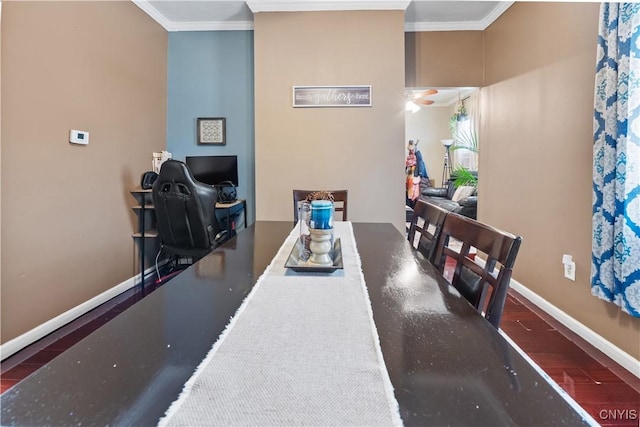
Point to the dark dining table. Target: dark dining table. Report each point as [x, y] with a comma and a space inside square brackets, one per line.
[447, 364]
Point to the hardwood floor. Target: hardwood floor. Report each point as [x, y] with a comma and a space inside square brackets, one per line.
[19, 365]
[608, 392]
[604, 389]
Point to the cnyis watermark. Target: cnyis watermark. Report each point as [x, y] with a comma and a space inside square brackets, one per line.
[618, 414]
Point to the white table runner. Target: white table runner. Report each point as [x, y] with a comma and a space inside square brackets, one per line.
[301, 350]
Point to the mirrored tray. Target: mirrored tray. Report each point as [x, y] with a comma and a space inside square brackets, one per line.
[295, 264]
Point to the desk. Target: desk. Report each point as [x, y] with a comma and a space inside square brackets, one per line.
[448, 365]
[147, 229]
[228, 211]
[145, 204]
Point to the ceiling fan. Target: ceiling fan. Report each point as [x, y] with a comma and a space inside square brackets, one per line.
[415, 100]
[418, 98]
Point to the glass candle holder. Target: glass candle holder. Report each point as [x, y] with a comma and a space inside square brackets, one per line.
[304, 220]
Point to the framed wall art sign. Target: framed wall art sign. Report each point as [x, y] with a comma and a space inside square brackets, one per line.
[211, 130]
[332, 96]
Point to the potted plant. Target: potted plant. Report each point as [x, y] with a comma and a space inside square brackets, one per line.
[459, 115]
[465, 140]
[464, 177]
[461, 112]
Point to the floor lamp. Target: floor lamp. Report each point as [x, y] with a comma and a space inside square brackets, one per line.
[446, 170]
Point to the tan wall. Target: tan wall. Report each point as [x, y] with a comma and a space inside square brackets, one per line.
[430, 126]
[360, 149]
[444, 59]
[66, 217]
[536, 153]
[0, 150]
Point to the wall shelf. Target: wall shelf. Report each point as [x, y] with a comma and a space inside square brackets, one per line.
[145, 212]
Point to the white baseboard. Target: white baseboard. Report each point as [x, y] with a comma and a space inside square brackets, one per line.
[618, 355]
[614, 352]
[28, 338]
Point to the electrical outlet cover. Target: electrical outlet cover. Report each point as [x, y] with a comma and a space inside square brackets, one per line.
[570, 271]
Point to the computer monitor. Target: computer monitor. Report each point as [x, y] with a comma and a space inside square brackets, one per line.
[213, 170]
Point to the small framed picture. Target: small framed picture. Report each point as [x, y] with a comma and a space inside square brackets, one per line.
[212, 130]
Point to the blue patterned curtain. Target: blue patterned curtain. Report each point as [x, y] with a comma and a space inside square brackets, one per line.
[615, 269]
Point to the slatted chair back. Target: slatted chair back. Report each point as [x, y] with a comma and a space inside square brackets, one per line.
[425, 228]
[340, 198]
[459, 234]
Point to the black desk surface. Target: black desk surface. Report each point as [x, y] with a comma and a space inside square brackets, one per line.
[447, 364]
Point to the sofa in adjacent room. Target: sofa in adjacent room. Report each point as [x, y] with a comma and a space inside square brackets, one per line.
[462, 200]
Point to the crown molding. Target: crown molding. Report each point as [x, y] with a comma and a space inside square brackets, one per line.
[319, 5]
[173, 26]
[500, 8]
[324, 5]
[153, 12]
[212, 26]
[495, 13]
[444, 26]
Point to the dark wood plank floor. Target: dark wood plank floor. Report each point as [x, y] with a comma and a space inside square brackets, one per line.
[608, 392]
[19, 365]
[604, 389]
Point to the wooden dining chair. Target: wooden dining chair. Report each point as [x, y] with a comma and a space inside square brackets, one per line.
[459, 234]
[340, 198]
[425, 228]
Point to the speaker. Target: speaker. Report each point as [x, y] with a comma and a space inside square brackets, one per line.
[226, 192]
[147, 180]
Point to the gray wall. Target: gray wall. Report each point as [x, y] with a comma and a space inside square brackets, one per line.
[210, 74]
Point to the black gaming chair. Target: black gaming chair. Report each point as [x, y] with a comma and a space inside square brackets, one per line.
[185, 212]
